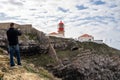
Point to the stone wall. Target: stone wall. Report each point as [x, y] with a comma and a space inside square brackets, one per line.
[25, 28]
[6, 25]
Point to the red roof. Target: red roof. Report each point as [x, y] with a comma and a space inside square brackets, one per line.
[85, 35]
[53, 33]
[61, 23]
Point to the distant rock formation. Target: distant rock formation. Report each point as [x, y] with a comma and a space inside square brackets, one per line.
[89, 66]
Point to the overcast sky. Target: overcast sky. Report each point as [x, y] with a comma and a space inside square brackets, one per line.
[100, 18]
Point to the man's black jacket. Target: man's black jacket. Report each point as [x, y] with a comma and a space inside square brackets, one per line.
[12, 36]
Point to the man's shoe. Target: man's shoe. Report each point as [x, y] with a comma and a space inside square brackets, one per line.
[12, 65]
[20, 64]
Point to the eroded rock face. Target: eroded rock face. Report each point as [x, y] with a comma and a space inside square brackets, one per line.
[32, 50]
[89, 66]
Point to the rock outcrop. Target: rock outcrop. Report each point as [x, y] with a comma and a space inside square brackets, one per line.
[90, 66]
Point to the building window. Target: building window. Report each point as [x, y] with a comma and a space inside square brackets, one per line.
[89, 39]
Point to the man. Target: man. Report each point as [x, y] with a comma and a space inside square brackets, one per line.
[12, 37]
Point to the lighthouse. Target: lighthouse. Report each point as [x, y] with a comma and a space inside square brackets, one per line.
[61, 29]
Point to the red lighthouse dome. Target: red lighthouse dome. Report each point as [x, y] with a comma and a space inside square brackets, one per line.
[61, 23]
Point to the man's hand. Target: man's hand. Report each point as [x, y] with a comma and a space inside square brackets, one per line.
[18, 29]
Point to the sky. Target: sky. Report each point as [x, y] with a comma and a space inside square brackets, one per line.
[99, 18]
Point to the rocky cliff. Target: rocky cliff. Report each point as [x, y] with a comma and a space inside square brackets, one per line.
[89, 66]
[80, 61]
[87, 61]
[64, 58]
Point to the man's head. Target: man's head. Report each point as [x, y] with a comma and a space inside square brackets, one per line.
[11, 25]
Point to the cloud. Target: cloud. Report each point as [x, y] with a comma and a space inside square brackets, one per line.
[16, 2]
[81, 7]
[62, 9]
[3, 16]
[98, 2]
[100, 18]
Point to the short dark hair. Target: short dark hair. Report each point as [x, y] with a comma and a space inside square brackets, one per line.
[11, 24]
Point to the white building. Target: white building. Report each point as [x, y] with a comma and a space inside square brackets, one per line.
[86, 38]
[55, 34]
[98, 41]
[89, 38]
